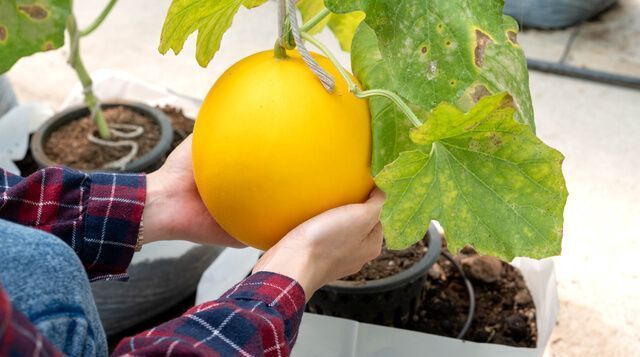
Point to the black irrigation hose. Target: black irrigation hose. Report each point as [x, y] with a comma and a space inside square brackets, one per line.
[472, 295]
[584, 73]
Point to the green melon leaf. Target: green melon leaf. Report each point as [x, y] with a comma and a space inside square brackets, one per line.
[30, 26]
[441, 50]
[308, 9]
[390, 127]
[343, 26]
[249, 4]
[210, 18]
[487, 178]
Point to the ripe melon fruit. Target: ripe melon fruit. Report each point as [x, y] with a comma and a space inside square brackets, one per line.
[272, 148]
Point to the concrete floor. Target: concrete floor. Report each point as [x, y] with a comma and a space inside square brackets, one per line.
[596, 126]
[610, 43]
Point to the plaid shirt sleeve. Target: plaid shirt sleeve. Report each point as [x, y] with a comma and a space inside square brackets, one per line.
[260, 316]
[98, 215]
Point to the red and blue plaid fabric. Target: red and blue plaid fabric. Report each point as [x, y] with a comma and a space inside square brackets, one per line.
[260, 316]
[99, 215]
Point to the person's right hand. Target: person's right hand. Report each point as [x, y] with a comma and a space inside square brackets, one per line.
[329, 246]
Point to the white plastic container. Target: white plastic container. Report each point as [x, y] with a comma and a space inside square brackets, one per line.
[334, 337]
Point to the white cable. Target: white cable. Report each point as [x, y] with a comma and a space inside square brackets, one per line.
[325, 78]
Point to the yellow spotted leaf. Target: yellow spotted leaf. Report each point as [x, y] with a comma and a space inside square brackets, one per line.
[210, 18]
[343, 26]
[487, 178]
[253, 3]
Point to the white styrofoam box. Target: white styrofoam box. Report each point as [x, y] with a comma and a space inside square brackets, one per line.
[15, 127]
[329, 336]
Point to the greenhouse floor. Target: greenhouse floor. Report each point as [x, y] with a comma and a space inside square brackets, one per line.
[596, 126]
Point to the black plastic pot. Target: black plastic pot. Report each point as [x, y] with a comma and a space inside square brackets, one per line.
[145, 163]
[387, 301]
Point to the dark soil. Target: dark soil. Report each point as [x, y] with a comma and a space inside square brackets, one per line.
[505, 313]
[69, 146]
[182, 127]
[389, 263]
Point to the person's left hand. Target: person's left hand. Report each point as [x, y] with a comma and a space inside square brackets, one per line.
[174, 209]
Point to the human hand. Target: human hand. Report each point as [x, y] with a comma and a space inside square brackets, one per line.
[329, 246]
[174, 209]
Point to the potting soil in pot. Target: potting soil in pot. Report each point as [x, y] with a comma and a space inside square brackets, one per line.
[68, 145]
[389, 263]
[505, 313]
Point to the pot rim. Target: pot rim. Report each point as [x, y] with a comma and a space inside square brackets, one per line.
[78, 111]
[433, 238]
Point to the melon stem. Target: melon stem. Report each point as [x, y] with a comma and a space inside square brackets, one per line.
[355, 89]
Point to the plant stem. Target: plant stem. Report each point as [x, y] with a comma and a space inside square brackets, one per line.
[75, 61]
[353, 87]
[394, 98]
[279, 50]
[315, 20]
[99, 19]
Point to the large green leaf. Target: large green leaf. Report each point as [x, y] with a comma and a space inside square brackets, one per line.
[253, 3]
[30, 26]
[308, 9]
[487, 178]
[343, 26]
[210, 18]
[438, 50]
[390, 126]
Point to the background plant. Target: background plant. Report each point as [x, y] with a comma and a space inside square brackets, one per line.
[31, 26]
[468, 155]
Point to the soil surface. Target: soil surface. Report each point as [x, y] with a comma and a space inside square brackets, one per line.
[69, 146]
[505, 313]
[389, 263]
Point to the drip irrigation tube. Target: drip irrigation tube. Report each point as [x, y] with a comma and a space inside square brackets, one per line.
[584, 73]
[472, 296]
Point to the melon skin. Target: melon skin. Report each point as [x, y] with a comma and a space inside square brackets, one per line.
[272, 148]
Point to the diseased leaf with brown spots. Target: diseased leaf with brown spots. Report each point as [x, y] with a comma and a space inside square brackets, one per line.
[459, 52]
[487, 178]
[30, 26]
[439, 50]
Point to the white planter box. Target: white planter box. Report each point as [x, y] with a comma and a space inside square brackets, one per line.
[329, 336]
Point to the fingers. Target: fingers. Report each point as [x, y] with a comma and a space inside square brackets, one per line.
[376, 197]
[373, 206]
[374, 239]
